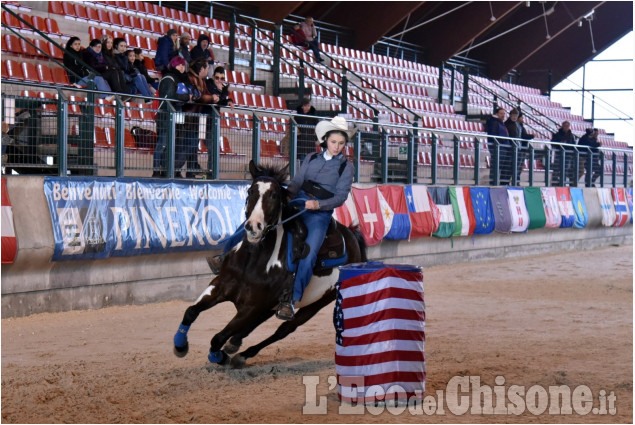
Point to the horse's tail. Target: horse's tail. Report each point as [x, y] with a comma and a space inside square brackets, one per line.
[361, 242]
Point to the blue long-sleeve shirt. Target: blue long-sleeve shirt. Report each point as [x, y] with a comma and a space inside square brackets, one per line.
[326, 173]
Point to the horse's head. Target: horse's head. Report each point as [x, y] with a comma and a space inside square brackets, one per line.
[265, 198]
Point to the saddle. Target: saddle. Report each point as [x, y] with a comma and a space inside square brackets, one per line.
[332, 253]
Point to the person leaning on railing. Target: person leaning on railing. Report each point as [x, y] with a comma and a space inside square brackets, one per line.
[524, 147]
[496, 127]
[590, 139]
[564, 135]
[73, 46]
[174, 85]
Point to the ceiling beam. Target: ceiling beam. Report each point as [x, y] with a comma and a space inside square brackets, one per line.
[611, 21]
[276, 11]
[529, 39]
[447, 36]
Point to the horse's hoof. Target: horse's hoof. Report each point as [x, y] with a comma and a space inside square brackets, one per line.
[181, 351]
[230, 348]
[219, 357]
[238, 362]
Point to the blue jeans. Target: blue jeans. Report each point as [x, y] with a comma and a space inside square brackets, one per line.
[317, 223]
[139, 83]
[187, 150]
[100, 84]
[159, 150]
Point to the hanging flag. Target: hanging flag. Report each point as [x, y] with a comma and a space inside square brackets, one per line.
[463, 211]
[550, 203]
[500, 205]
[517, 209]
[593, 207]
[387, 214]
[621, 210]
[565, 206]
[400, 227]
[629, 201]
[483, 212]
[608, 208]
[9, 241]
[379, 319]
[346, 213]
[579, 207]
[441, 198]
[368, 211]
[535, 209]
[424, 214]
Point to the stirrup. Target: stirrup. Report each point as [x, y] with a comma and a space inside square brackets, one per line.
[285, 311]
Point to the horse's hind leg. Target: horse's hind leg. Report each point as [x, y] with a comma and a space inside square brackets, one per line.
[234, 343]
[301, 317]
[208, 299]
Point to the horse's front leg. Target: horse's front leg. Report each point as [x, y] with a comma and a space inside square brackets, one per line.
[245, 320]
[208, 299]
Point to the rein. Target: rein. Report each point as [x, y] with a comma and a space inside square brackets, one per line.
[298, 201]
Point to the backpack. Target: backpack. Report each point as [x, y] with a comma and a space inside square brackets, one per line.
[144, 139]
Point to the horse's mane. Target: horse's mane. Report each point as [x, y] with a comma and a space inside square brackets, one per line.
[280, 174]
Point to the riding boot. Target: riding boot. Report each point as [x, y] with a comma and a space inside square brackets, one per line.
[215, 263]
[285, 310]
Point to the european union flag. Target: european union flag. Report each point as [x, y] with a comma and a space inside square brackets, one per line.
[483, 212]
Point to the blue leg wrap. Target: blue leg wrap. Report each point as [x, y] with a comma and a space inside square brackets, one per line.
[180, 338]
[215, 356]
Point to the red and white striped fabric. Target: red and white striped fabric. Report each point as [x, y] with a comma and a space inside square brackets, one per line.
[9, 242]
[381, 336]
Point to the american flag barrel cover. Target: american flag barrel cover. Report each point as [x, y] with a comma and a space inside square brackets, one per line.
[379, 320]
[9, 241]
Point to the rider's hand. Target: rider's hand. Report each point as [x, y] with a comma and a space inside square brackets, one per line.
[312, 204]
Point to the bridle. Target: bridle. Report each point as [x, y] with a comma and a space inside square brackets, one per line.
[298, 202]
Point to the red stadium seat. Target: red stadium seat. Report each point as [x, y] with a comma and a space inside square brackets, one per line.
[44, 74]
[56, 7]
[30, 72]
[51, 26]
[60, 76]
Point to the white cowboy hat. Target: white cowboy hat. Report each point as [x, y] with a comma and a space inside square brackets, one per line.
[337, 123]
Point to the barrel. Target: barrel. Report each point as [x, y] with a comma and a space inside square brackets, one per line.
[379, 323]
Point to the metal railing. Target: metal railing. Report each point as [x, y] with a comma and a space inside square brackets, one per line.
[53, 135]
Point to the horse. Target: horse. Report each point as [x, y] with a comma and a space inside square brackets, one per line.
[257, 273]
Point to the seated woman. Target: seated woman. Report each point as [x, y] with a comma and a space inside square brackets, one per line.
[79, 74]
[140, 64]
[132, 70]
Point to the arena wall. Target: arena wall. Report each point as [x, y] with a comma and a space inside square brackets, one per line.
[34, 284]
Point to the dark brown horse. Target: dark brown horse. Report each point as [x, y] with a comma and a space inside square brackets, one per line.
[255, 274]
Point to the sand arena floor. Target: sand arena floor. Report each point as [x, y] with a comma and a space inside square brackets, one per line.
[556, 319]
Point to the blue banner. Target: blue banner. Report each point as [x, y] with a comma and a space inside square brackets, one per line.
[105, 217]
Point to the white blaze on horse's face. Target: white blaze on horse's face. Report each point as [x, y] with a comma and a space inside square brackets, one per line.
[256, 224]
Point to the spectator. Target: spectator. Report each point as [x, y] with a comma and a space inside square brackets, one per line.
[166, 50]
[187, 151]
[522, 153]
[306, 129]
[173, 85]
[496, 127]
[79, 75]
[590, 160]
[298, 38]
[114, 74]
[140, 64]
[201, 50]
[563, 135]
[134, 80]
[131, 60]
[184, 47]
[310, 34]
[219, 88]
[514, 130]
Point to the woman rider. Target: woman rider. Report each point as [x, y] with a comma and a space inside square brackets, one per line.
[324, 180]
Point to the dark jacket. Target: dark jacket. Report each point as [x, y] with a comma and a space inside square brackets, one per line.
[305, 121]
[114, 74]
[168, 87]
[141, 66]
[184, 52]
[589, 141]
[95, 60]
[495, 127]
[165, 53]
[563, 137]
[326, 173]
[223, 94]
[127, 67]
[524, 135]
[198, 52]
[513, 128]
[75, 66]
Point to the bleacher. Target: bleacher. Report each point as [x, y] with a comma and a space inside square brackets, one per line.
[385, 90]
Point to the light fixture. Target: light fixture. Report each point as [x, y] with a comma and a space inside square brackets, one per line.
[491, 18]
[580, 23]
[528, 3]
[544, 14]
